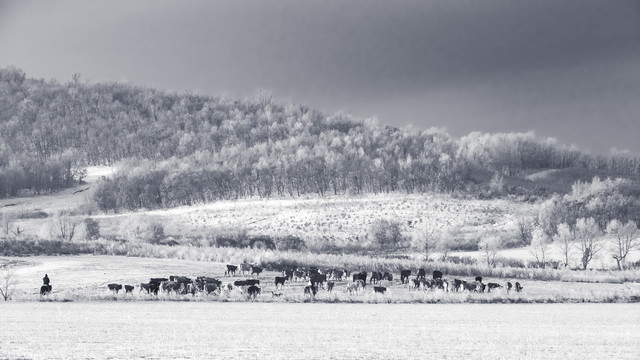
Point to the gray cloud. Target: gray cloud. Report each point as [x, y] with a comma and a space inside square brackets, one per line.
[547, 65]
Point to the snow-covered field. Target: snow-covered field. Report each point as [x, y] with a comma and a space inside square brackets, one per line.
[154, 330]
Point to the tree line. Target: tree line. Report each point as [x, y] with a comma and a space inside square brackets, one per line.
[182, 148]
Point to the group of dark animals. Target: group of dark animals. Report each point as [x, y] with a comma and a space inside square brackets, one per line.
[316, 280]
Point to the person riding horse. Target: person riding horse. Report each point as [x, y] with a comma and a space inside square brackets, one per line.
[45, 279]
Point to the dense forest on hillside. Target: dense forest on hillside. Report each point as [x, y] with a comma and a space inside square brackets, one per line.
[182, 148]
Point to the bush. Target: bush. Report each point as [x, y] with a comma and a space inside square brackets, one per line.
[386, 233]
[290, 242]
[92, 229]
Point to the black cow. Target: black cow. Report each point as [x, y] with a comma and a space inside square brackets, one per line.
[288, 274]
[45, 289]
[491, 286]
[256, 270]
[509, 286]
[421, 273]
[280, 281]
[310, 290]
[114, 287]
[210, 288]
[404, 276]
[253, 291]
[318, 279]
[518, 287]
[338, 274]
[360, 276]
[128, 289]
[437, 274]
[313, 271]
[457, 284]
[379, 289]
[375, 277]
[231, 270]
[387, 276]
[330, 285]
[479, 278]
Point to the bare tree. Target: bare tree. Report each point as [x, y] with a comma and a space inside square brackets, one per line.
[539, 246]
[624, 238]
[425, 240]
[525, 229]
[565, 239]
[7, 283]
[64, 225]
[489, 248]
[589, 239]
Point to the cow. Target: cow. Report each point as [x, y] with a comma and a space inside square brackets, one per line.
[288, 274]
[146, 287]
[457, 284]
[404, 276]
[280, 281]
[360, 276]
[45, 289]
[491, 286]
[245, 267]
[468, 286]
[379, 289]
[338, 274]
[313, 271]
[421, 273]
[437, 274]
[387, 276]
[427, 284]
[114, 287]
[211, 288]
[416, 283]
[256, 270]
[479, 278]
[231, 270]
[375, 277]
[330, 285]
[128, 289]
[318, 279]
[299, 275]
[310, 290]
[509, 286]
[253, 291]
[518, 287]
[170, 286]
[183, 282]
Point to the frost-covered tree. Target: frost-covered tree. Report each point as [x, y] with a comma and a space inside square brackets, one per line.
[539, 246]
[589, 239]
[565, 239]
[623, 238]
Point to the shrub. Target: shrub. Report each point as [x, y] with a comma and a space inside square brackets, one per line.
[92, 229]
[290, 242]
[386, 233]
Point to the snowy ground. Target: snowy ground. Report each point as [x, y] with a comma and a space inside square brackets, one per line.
[118, 330]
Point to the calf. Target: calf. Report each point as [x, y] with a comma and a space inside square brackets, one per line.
[379, 289]
[416, 283]
[231, 270]
[518, 287]
[491, 286]
[253, 291]
[114, 287]
[128, 289]
[437, 274]
[280, 281]
[146, 287]
[468, 286]
[404, 276]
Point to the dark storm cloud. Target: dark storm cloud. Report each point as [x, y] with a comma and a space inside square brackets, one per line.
[556, 66]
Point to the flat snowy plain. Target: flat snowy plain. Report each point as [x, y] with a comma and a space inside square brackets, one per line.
[207, 330]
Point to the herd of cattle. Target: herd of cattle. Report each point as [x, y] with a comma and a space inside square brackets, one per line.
[315, 279]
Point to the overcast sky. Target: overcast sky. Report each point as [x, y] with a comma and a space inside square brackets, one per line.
[563, 68]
